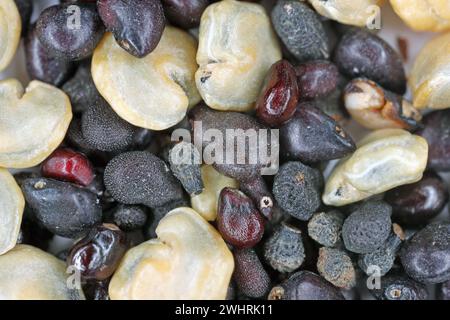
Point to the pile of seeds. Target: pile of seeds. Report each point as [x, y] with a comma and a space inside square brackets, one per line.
[124, 134]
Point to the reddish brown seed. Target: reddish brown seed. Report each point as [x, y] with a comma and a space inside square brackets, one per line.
[68, 165]
[316, 79]
[238, 221]
[279, 96]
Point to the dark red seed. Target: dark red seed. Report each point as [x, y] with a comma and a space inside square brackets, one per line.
[316, 79]
[238, 221]
[279, 96]
[185, 13]
[98, 254]
[68, 165]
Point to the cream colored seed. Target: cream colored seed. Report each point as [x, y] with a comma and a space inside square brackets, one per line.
[153, 92]
[236, 49]
[358, 13]
[385, 159]
[32, 123]
[430, 76]
[28, 273]
[12, 204]
[10, 29]
[189, 260]
[206, 202]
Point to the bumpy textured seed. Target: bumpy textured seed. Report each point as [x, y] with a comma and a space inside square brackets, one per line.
[325, 227]
[258, 191]
[27, 273]
[312, 136]
[376, 108]
[42, 66]
[384, 257]
[10, 29]
[137, 25]
[279, 96]
[418, 203]
[206, 202]
[364, 54]
[316, 79]
[238, 221]
[297, 188]
[236, 41]
[250, 149]
[429, 87]
[81, 89]
[153, 92]
[385, 159]
[444, 291]
[284, 250]
[336, 267]
[45, 113]
[301, 30]
[25, 8]
[63, 208]
[129, 217]
[63, 38]
[68, 165]
[97, 255]
[249, 274]
[357, 13]
[436, 130]
[136, 177]
[305, 285]
[12, 206]
[367, 228]
[185, 163]
[104, 130]
[426, 256]
[184, 13]
[188, 251]
[400, 287]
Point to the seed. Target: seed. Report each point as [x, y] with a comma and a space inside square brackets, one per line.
[12, 203]
[137, 25]
[363, 54]
[284, 250]
[312, 136]
[301, 30]
[418, 203]
[436, 130]
[41, 66]
[325, 227]
[153, 92]
[185, 13]
[316, 79]
[136, 177]
[233, 51]
[206, 202]
[400, 287]
[278, 98]
[68, 165]
[336, 267]
[297, 188]
[188, 251]
[45, 113]
[104, 130]
[425, 256]
[305, 285]
[258, 191]
[70, 41]
[63, 208]
[129, 217]
[28, 273]
[385, 159]
[238, 221]
[97, 255]
[10, 30]
[376, 108]
[249, 274]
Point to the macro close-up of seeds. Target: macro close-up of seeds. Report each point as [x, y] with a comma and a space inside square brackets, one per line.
[252, 150]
